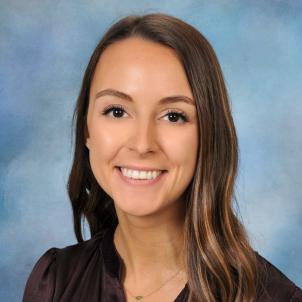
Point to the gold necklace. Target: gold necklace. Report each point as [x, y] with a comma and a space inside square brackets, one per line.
[140, 297]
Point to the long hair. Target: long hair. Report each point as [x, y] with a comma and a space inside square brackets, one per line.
[220, 262]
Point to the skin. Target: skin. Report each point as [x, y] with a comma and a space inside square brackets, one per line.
[149, 236]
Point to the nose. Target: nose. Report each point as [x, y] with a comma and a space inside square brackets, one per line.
[144, 137]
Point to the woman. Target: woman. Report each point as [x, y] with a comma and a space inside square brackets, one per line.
[153, 173]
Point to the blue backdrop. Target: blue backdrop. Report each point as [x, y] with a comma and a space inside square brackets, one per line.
[45, 47]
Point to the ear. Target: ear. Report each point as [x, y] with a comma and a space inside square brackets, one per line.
[87, 138]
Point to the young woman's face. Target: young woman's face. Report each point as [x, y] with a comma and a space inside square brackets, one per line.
[139, 131]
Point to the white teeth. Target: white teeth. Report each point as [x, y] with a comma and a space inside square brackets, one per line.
[140, 174]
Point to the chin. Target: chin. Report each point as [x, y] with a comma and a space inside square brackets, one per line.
[136, 209]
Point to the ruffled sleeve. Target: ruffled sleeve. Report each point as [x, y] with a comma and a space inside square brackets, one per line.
[40, 284]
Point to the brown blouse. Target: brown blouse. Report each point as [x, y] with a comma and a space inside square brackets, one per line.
[90, 271]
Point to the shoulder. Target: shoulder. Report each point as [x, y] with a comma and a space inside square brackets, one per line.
[55, 267]
[41, 281]
[276, 286]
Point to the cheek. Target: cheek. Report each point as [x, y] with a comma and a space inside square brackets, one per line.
[105, 140]
[181, 146]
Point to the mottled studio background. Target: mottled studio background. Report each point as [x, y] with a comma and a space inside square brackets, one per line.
[44, 49]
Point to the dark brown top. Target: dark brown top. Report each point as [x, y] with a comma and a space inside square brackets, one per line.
[91, 271]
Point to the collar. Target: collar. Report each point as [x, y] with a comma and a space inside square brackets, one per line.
[113, 261]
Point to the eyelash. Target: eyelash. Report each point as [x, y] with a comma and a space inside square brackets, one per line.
[181, 114]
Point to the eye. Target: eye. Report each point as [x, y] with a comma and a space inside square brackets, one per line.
[175, 115]
[118, 111]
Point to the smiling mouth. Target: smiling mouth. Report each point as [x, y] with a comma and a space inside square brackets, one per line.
[119, 167]
[141, 181]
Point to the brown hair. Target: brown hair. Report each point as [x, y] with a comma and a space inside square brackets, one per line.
[221, 265]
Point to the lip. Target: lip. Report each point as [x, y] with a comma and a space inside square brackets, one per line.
[140, 168]
[139, 182]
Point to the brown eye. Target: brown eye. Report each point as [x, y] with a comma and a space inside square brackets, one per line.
[175, 115]
[117, 111]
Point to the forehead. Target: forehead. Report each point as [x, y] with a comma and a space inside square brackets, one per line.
[135, 62]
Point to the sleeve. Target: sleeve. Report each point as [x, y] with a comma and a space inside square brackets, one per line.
[297, 295]
[40, 284]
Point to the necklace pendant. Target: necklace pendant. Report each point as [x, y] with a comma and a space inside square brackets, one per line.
[139, 297]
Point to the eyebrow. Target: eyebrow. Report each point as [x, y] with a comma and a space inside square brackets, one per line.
[126, 97]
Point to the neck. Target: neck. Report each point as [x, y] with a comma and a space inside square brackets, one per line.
[151, 246]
